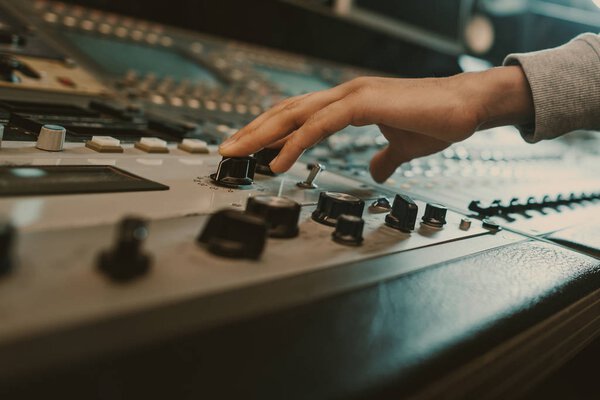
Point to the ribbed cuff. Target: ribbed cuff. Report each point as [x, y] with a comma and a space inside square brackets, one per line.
[565, 83]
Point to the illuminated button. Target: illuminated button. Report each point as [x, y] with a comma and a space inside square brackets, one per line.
[193, 146]
[104, 144]
[152, 145]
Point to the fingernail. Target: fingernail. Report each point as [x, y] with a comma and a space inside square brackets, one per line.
[228, 142]
[273, 162]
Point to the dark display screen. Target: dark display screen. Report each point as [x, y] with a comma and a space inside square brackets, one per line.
[118, 57]
[67, 179]
[437, 16]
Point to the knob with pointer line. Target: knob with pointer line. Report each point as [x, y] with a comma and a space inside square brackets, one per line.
[235, 172]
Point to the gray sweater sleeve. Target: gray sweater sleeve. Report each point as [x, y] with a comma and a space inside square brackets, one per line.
[565, 83]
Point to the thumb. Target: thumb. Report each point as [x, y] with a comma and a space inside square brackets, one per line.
[384, 163]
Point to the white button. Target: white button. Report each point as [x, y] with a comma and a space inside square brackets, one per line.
[154, 142]
[105, 141]
[193, 146]
[152, 145]
[104, 144]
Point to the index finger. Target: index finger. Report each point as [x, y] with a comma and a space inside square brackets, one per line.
[279, 123]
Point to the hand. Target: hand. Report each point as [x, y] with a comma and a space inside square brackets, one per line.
[417, 116]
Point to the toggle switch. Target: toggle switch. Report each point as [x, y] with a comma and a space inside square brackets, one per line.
[309, 183]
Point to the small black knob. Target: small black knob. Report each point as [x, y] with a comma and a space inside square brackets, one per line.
[435, 215]
[8, 234]
[235, 172]
[263, 159]
[281, 214]
[126, 260]
[403, 215]
[14, 39]
[349, 230]
[331, 205]
[381, 205]
[8, 66]
[234, 234]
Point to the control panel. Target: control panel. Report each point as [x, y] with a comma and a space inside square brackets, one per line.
[114, 199]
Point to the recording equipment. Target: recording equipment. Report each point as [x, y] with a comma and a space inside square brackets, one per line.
[116, 203]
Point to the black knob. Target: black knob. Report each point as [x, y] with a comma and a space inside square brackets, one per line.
[234, 234]
[263, 159]
[331, 205]
[280, 214]
[380, 205]
[403, 215]
[435, 215]
[13, 39]
[235, 172]
[126, 260]
[7, 240]
[8, 66]
[349, 230]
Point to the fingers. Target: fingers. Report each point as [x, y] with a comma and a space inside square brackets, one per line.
[267, 114]
[279, 122]
[335, 117]
[404, 146]
[384, 163]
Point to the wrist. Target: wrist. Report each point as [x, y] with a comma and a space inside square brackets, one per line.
[501, 96]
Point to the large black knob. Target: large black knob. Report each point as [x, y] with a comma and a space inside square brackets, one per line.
[349, 230]
[235, 171]
[331, 205]
[7, 241]
[263, 159]
[234, 234]
[403, 215]
[435, 215]
[281, 214]
[126, 260]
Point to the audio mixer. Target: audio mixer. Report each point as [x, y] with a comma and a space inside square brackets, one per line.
[116, 204]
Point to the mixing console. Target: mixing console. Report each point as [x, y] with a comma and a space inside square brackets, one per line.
[115, 200]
